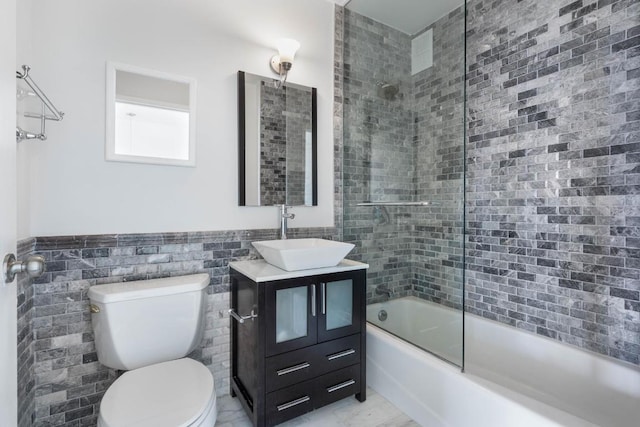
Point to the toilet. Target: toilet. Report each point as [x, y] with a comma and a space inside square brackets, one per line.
[147, 328]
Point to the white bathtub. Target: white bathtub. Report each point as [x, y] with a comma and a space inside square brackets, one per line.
[534, 381]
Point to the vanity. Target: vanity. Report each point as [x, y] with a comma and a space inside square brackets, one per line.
[298, 338]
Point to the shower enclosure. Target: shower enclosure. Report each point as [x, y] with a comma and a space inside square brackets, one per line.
[404, 162]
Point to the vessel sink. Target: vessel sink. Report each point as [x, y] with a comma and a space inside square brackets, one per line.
[302, 254]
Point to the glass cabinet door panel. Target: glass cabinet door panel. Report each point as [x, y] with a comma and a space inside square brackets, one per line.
[291, 313]
[339, 304]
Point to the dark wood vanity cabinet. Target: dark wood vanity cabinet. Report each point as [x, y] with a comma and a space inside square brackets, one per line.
[300, 344]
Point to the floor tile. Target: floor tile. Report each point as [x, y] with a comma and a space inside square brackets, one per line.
[376, 411]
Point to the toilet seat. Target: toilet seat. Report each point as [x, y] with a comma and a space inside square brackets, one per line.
[179, 393]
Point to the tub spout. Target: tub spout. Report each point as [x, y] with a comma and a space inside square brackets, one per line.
[383, 291]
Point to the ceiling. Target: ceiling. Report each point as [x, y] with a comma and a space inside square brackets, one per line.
[408, 16]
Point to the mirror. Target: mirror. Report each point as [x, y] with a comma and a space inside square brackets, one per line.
[277, 134]
[150, 116]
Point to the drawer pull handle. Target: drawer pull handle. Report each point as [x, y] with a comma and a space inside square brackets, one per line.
[293, 403]
[341, 354]
[341, 385]
[291, 369]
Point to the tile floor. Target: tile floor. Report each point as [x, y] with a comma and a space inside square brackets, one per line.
[376, 411]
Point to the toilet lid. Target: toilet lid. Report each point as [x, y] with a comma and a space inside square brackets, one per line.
[171, 394]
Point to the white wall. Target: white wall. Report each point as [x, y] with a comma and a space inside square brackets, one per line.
[24, 55]
[8, 221]
[73, 190]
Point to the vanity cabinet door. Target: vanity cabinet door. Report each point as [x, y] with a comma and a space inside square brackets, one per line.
[340, 311]
[291, 315]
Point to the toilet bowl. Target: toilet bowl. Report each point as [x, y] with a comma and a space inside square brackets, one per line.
[147, 328]
[178, 393]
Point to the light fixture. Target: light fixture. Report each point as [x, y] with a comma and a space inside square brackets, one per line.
[281, 63]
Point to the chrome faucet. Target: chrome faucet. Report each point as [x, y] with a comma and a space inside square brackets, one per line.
[284, 216]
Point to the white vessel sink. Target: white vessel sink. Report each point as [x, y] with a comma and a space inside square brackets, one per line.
[302, 254]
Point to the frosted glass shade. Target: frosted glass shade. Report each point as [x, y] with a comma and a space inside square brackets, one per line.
[287, 49]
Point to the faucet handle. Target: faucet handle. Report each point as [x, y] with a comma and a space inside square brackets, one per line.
[283, 211]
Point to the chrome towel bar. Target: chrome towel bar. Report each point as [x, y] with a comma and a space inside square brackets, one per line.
[423, 203]
[240, 318]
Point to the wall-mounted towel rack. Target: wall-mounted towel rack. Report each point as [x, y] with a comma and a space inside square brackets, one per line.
[54, 113]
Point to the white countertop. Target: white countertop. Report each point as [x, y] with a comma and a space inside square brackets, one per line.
[260, 271]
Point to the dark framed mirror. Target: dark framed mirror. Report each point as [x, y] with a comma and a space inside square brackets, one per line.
[277, 143]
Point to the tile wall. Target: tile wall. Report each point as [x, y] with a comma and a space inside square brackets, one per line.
[552, 186]
[273, 145]
[437, 96]
[297, 114]
[61, 379]
[553, 181]
[26, 374]
[552, 92]
[404, 136]
[379, 154]
[285, 120]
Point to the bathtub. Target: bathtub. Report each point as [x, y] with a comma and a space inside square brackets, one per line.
[512, 377]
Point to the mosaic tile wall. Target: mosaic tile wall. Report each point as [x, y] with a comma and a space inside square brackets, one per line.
[25, 339]
[285, 119]
[298, 126]
[438, 107]
[273, 146]
[379, 151]
[554, 169]
[67, 379]
[404, 138]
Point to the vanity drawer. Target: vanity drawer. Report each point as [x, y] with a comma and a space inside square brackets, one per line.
[337, 385]
[290, 368]
[339, 353]
[290, 402]
[306, 396]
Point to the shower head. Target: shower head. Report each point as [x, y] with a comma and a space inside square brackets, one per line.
[387, 91]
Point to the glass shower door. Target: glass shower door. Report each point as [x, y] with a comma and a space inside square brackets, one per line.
[404, 121]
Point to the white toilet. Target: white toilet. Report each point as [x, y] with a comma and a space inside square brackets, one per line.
[147, 328]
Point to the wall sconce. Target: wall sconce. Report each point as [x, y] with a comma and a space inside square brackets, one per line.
[281, 63]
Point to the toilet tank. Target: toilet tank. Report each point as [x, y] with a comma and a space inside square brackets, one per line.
[140, 323]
